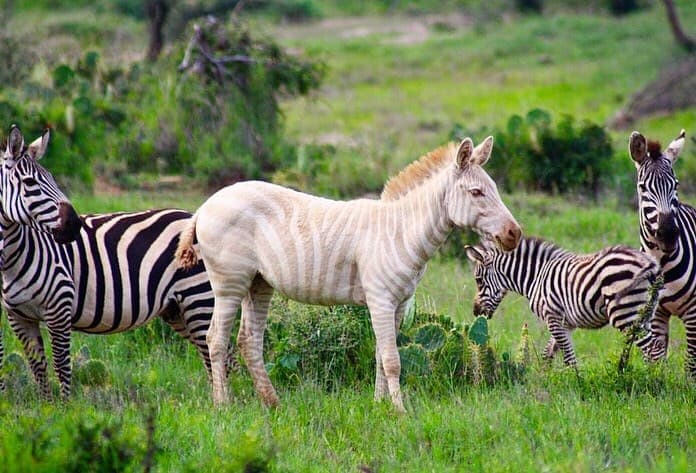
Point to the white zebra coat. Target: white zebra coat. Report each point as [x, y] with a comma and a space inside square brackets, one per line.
[256, 237]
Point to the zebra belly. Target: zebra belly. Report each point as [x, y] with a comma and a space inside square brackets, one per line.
[337, 286]
[106, 325]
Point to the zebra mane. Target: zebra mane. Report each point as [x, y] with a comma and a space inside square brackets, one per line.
[417, 172]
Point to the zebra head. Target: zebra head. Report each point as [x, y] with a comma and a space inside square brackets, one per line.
[657, 191]
[29, 194]
[489, 288]
[473, 200]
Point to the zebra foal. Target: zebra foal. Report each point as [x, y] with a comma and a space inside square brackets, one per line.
[256, 237]
[566, 290]
[116, 275]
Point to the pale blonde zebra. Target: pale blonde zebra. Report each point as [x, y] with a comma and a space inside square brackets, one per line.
[255, 237]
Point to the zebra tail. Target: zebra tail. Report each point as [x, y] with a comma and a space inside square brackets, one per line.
[185, 255]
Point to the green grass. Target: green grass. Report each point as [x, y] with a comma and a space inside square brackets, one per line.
[408, 97]
[641, 421]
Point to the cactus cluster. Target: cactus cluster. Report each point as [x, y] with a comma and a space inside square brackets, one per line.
[449, 353]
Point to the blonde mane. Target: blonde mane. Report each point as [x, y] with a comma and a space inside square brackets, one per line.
[417, 172]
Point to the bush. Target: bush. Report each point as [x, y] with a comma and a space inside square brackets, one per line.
[529, 6]
[81, 442]
[532, 154]
[329, 345]
[334, 346]
[623, 7]
[219, 122]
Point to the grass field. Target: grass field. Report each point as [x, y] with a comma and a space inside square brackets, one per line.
[389, 97]
[641, 421]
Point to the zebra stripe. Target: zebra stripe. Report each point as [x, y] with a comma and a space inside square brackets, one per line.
[256, 237]
[566, 290]
[668, 232]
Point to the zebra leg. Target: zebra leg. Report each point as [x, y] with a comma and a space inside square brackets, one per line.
[550, 349]
[381, 385]
[29, 335]
[659, 333]
[175, 316]
[562, 336]
[250, 338]
[59, 331]
[217, 339]
[383, 323]
[690, 325]
[2, 362]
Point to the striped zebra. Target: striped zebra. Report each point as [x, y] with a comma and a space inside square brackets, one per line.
[668, 232]
[566, 290]
[117, 275]
[256, 237]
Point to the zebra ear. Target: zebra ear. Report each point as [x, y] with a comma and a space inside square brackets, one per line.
[638, 148]
[38, 147]
[675, 147]
[464, 152]
[473, 254]
[15, 143]
[482, 152]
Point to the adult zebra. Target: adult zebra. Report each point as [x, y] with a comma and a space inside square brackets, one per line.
[256, 238]
[118, 274]
[668, 232]
[566, 290]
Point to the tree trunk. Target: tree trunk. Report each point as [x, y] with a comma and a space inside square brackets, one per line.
[157, 13]
[682, 38]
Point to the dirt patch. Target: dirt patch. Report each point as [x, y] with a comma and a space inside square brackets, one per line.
[673, 90]
[398, 29]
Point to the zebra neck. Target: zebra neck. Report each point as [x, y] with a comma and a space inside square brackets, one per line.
[23, 246]
[421, 220]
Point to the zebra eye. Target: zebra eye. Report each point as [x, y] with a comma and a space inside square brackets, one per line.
[475, 192]
[642, 188]
[29, 181]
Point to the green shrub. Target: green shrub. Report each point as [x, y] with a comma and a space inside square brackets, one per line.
[624, 7]
[329, 345]
[532, 154]
[529, 6]
[78, 442]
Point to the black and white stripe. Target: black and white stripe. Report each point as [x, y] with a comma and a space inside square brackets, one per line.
[668, 232]
[566, 290]
[116, 275]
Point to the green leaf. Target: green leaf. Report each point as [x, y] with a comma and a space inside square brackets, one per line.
[289, 361]
[478, 333]
[414, 360]
[409, 314]
[83, 106]
[431, 337]
[62, 76]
